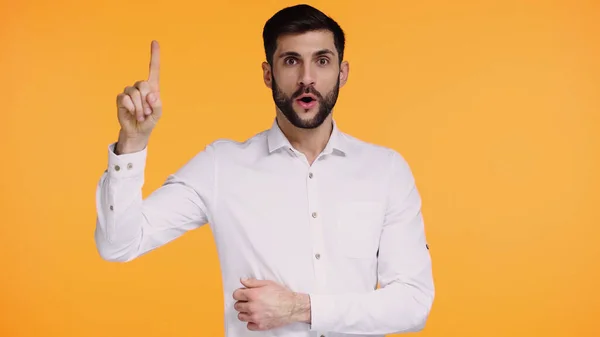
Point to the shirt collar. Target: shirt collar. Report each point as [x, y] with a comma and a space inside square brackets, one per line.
[277, 140]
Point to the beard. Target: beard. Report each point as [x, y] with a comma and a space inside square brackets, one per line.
[285, 104]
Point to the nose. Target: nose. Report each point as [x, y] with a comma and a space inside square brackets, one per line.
[307, 76]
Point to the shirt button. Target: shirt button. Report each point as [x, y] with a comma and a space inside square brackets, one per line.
[310, 175]
[111, 207]
[117, 167]
[318, 256]
[314, 214]
[129, 166]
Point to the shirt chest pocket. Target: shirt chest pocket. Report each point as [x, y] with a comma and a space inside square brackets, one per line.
[358, 228]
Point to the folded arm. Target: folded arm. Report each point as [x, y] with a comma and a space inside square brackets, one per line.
[404, 299]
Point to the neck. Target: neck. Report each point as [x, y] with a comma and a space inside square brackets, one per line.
[311, 142]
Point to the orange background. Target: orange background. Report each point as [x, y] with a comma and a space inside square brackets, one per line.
[494, 104]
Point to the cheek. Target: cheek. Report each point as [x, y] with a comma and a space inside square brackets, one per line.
[286, 88]
[286, 74]
[329, 78]
[326, 87]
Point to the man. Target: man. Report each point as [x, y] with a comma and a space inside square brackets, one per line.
[307, 219]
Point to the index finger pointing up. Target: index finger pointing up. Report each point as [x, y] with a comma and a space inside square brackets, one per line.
[153, 76]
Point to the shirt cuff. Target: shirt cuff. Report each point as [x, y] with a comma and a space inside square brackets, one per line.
[322, 312]
[125, 165]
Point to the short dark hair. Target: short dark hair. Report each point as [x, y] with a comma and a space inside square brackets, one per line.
[296, 20]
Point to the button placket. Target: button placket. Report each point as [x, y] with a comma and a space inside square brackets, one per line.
[316, 228]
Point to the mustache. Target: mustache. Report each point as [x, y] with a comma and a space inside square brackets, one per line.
[307, 90]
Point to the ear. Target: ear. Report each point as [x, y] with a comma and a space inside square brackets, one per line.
[344, 70]
[267, 74]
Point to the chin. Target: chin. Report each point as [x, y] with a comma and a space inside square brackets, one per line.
[304, 118]
[307, 116]
[306, 113]
[308, 120]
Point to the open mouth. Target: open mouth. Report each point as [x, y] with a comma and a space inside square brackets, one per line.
[307, 102]
[307, 99]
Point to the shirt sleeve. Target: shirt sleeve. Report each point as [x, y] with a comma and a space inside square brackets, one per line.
[128, 225]
[405, 296]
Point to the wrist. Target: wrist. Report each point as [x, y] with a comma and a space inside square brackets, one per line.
[127, 145]
[301, 311]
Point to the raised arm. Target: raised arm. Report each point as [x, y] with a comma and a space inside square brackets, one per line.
[127, 225]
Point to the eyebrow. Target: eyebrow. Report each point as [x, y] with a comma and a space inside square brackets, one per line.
[295, 54]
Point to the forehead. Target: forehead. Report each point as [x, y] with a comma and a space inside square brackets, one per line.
[306, 43]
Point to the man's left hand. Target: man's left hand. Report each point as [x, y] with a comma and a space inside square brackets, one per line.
[266, 305]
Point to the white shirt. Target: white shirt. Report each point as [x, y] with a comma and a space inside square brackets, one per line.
[333, 230]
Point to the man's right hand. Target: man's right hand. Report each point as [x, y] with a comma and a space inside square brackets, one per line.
[139, 108]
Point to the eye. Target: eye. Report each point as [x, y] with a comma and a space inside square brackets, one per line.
[290, 61]
[323, 61]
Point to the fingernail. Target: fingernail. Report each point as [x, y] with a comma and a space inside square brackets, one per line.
[151, 97]
[148, 111]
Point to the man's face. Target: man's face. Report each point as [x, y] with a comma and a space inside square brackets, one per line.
[305, 77]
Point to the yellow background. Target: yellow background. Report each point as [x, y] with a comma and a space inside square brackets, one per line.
[495, 104]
